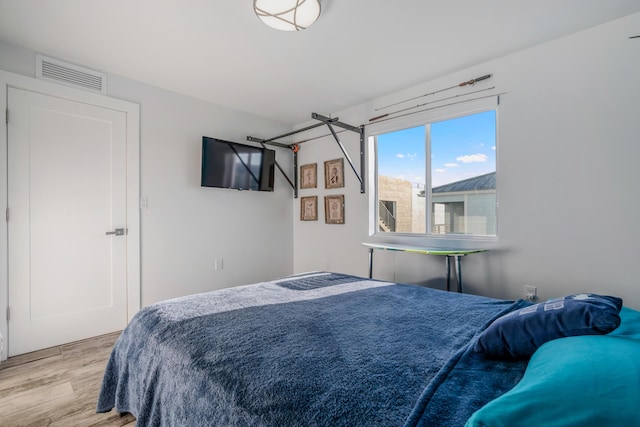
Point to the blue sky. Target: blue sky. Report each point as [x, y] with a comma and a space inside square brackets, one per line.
[460, 148]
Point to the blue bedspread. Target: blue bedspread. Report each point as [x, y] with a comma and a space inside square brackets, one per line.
[319, 349]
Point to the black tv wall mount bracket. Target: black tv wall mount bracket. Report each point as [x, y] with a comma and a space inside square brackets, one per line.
[330, 123]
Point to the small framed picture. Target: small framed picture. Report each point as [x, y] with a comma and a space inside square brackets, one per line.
[309, 208]
[334, 209]
[309, 176]
[334, 173]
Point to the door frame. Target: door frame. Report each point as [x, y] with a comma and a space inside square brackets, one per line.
[132, 112]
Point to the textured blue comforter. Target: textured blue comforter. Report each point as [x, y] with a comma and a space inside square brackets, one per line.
[319, 349]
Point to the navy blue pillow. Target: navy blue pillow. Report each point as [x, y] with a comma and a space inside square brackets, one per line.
[518, 334]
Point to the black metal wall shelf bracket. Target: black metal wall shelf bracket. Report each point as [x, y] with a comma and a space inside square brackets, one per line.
[330, 123]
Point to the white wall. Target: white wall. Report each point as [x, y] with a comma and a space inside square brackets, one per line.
[568, 144]
[568, 151]
[186, 227]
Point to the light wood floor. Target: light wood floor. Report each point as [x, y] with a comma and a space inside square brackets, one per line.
[58, 386]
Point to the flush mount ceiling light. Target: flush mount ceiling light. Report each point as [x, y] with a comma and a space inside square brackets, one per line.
[287, 15]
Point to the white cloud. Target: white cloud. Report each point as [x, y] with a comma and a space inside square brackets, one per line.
[493, 148]
[441, 170]
[472, 158]
[409, 155]
[452, 165]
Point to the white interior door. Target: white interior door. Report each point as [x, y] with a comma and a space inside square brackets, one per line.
[67, 176]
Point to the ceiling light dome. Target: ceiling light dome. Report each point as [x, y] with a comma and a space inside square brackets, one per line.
[287, 15]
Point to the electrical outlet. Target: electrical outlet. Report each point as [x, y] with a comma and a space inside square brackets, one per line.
[530, 292]
[218, 264]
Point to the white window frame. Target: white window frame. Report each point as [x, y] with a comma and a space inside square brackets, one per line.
[425, 117]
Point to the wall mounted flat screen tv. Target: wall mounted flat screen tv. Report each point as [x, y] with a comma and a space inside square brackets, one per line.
[228, 164]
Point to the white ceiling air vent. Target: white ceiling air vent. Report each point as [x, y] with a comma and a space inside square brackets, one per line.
[70, 74]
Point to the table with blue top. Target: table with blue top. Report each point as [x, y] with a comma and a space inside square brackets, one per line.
[448, 253]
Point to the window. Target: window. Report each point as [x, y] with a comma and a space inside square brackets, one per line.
[438, 177]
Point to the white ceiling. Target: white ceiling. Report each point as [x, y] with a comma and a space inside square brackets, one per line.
[219, 51]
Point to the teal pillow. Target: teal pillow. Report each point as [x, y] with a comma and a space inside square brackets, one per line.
[590, 380]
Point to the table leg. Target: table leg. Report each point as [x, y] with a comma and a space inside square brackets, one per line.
[459, 272]
[370, 263]
[448, 268]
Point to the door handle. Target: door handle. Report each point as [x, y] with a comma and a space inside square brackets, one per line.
[116, 232]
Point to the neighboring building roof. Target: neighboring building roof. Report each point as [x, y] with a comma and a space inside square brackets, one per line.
[476, 183]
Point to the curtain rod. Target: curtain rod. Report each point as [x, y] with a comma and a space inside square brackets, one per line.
[440, 106]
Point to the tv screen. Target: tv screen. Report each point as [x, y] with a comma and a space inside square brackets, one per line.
[228, 164]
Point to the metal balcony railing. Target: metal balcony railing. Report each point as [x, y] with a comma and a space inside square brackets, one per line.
[386, 217]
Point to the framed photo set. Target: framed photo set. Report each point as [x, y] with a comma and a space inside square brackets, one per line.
[309, 208]
[309, 176]
[334, 173]
[334, 209]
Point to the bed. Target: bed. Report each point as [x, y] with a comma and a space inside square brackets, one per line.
[315, 349]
